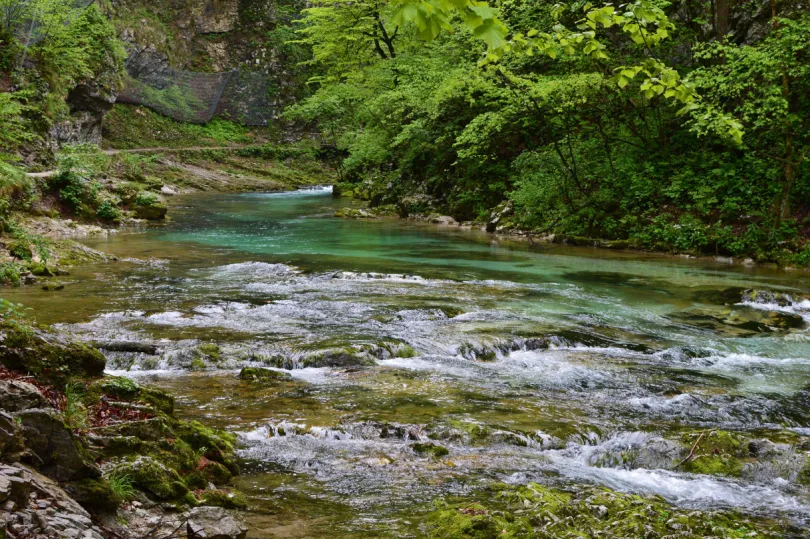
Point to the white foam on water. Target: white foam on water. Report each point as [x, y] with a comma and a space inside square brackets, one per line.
[257, 270]
[683, 489]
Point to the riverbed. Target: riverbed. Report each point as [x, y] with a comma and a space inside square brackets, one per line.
[561, 365]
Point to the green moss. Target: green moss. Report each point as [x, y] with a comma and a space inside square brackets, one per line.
[715, 453]
[715, 465]
[95, 494]
[541, 512]
[120, 386]
[262, 375]
[211, 350]
[158, 399]
[223, 498]
[153, 477]
[432, 450]
[50, 357]
[476, 431]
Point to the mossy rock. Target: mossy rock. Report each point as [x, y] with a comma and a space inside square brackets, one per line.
[259, 374]
[430, 450]
[715, 465]
[717, 452]
[40, 270]
[211, 350]
[149, 475]
[95, 494]
[118, 386]
[226, 499]
[49, 356]
[152, 430]
[337, 358]
[158, 399]
[208, 472]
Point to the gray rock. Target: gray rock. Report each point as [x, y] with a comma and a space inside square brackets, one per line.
[501, 211]
[11, 439]
[16, 396]
[54, 515]
[214, 523]
[59, 454]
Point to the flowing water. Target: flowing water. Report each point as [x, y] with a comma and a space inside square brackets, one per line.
[527, 363]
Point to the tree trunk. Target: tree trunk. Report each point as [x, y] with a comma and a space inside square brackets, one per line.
[721, 13]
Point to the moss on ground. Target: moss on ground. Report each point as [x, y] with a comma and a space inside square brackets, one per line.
[544, 513]
[715, 453]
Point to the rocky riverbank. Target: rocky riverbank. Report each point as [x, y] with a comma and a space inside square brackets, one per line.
[88, 455]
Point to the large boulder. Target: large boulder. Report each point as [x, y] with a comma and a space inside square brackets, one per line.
[58, 453]
[214, 523]
[161, 482]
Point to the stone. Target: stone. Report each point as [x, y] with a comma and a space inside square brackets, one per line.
[53, 514]
[16, 396]
[60, 454]
[168, 191]
[214, 523]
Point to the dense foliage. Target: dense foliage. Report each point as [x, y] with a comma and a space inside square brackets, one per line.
[48, 48]
[674, 125]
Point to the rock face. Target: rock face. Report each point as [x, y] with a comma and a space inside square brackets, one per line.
[88, 103]
[59, 453]
[35, 506]
[214, 523]
[216, 16]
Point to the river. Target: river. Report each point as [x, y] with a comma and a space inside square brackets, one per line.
[525, 362]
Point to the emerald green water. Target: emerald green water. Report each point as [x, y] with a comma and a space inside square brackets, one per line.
[527, 362]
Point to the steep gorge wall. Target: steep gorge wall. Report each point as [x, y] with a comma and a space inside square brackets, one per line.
[177, 46]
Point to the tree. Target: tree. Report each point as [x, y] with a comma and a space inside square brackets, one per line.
[768, 86]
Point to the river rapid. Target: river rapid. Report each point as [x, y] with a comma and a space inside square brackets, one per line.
[561, 365]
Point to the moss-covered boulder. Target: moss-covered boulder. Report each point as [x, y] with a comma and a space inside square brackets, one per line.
[149, 206]
[94, 494]
[49, 356]
[151, 476]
